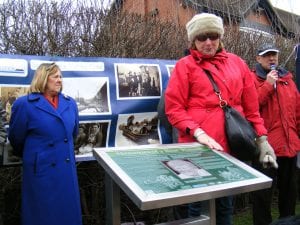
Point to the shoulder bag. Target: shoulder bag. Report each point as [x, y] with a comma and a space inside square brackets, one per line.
[240, 134]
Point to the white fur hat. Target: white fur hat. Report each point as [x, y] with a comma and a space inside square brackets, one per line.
[204, 23]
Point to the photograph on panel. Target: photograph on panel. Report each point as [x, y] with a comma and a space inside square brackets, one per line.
[90, 93]
[91, 134]
[185, 168]
[9, 94]
[137, 129]
[137, 80]
[170, 69]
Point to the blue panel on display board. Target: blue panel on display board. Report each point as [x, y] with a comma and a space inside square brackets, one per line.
[116, 96]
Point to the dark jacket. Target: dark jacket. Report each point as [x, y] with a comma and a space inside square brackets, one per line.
[3, 133]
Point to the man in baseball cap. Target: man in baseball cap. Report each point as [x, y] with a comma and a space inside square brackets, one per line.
[265, 48]
[279, 107]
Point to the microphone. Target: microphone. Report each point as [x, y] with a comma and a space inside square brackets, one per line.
[273, 67]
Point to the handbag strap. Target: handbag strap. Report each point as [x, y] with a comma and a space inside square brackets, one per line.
[223, 103]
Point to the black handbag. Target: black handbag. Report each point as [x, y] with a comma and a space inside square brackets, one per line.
[240, 133]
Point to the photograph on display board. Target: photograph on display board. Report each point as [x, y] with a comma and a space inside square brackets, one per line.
[90, 93]
[137, 129]
[9, 94]
[185, 168]
[170, 69]
[137, 80]
[92, 134]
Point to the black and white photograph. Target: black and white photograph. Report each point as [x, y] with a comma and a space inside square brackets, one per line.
[9, 94]
[138, 81]
[92, 134]
[185, 168]
[90, 93]
[170, 69]
[137, 129]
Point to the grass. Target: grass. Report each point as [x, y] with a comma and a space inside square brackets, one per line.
[244, 217]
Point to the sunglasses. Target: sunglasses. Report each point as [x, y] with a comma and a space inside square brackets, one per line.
[204, 37]
[50, 66]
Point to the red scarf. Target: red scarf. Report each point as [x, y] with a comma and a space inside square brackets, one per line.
[205, 60]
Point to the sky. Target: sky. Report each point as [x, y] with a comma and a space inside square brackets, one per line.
[287, 5]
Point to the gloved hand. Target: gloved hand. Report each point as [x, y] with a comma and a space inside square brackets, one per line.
[266, 153]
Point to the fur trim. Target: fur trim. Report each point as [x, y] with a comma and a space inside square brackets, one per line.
[204, 23]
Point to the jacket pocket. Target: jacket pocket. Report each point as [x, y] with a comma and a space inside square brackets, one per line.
[44, 162]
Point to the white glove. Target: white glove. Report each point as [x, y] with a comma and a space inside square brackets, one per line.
[266, 153]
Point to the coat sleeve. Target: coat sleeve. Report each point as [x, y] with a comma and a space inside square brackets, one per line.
[298, 113]
[76, 127]
[176, 99]
[264, 89]
[162, 114]
[18, 126]
[250, 103]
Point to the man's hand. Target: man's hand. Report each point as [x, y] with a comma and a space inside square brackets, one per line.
[272, 77]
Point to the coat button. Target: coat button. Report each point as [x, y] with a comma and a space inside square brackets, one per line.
[67, 160]
[65, 140]
[51, 145]
[53, 164]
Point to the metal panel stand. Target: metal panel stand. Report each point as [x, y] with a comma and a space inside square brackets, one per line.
[212, 211]
[113, 206]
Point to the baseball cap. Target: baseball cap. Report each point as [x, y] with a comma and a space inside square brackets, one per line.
[266, 47]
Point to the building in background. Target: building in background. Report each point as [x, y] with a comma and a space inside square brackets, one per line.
[249, 15]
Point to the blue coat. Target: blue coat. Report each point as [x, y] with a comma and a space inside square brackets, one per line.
[44, 136]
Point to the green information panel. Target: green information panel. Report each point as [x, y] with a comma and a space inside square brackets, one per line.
[172, 169]
[164, 175]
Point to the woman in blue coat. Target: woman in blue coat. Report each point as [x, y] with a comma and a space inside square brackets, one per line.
[42, 127]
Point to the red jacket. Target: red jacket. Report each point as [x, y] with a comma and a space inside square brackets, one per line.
[190, 101]
[280, 109]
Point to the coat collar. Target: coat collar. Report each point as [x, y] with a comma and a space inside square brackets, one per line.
[41, 102]
[262, 73]
[217, 58]
[36, 96]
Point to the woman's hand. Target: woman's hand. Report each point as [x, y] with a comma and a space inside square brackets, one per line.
[204, 139]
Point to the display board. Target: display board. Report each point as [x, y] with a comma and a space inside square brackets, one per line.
[173, 174]
[117, 98]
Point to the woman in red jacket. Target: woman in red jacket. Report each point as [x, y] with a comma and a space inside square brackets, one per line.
[279, 102]
[193, 107]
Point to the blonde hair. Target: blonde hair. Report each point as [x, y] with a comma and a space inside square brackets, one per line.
[39, 81]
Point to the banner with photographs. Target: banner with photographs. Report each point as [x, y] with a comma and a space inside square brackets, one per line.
[117, 98]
